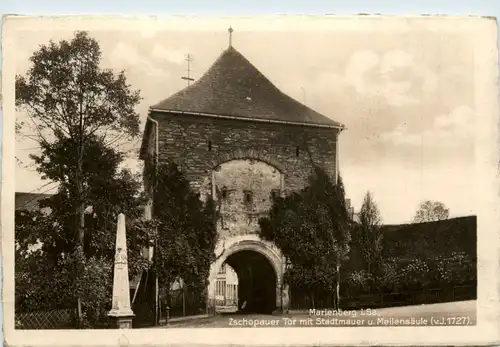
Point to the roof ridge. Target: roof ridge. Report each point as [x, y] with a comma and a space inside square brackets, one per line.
[272, 83]
[234, 86]
[185, 89]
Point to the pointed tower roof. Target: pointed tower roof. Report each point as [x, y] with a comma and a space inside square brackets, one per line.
[233, 87]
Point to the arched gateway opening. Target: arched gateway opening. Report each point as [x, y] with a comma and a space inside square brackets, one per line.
[244, 186]
[257, 281]
[259, 266]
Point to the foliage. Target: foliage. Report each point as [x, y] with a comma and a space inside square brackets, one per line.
[67, 93]
[358, 281]
[59, 281]
[415, 275]
[71, 102]
[186, 230]
[458, 268]
[430, 211]
[369, 239]
[362, 282]
[399, 275]
[110, 191]
[435, 272]
[312, 229]
[39, 284]
[388, 279]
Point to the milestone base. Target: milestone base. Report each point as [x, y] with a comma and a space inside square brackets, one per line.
[121, 322]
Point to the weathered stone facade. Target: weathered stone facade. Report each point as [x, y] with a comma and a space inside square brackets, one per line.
[244, 189]
[244, 164]
[200, 144]
[237, 138]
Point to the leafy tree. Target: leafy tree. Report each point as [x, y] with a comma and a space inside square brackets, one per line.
[110, 191]
[357, 282]
[67, 96]
[430, 211]
[312, 229]
[186, 231]
[369, 237]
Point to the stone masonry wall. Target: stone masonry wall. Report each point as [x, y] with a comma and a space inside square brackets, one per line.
[246, 188]
[199, 144]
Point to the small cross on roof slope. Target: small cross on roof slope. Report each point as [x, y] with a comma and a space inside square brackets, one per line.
[232, 86]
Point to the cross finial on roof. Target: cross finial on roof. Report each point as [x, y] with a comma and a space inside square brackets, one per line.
[188, 78]
[230, 30]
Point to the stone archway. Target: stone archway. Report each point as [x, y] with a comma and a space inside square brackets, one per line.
[256, 281]
[244, 154]
[260, 268]
[244, 184]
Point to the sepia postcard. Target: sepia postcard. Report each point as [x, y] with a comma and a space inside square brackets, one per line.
[287, 180]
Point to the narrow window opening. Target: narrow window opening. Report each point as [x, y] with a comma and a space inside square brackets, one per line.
[297, 151]
[275, 193]
[248, 196]
[224, 193]
[209, 146]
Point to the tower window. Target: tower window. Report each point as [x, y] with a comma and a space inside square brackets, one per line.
[297, 151]
[224, 193]
[209, 145]
[275, 193]
[248, 196]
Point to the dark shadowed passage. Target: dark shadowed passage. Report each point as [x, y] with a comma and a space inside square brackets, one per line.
[257, 281]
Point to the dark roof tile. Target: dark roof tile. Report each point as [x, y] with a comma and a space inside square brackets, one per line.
[232, 86]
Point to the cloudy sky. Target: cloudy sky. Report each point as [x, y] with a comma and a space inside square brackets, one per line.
[406, 97]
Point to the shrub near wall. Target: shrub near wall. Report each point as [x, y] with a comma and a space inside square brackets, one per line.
[417, 258]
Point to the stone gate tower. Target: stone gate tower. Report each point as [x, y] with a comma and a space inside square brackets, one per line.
[237, 137]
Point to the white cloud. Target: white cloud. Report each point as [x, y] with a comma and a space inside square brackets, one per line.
[401, 136]
[396, 59]
[147, 30]
[461, 118]
[360, 63]
[174, 56]
[430, 81]
[447, 130]
[126, 56]
[385, 82]
[326, 86]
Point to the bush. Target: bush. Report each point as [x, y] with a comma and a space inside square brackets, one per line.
[389, 280]
[358, 283]
[48, 288]
[415, 276]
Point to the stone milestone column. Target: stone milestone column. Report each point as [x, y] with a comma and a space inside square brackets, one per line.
[121, 314]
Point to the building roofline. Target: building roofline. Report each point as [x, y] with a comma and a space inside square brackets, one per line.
[340, 127]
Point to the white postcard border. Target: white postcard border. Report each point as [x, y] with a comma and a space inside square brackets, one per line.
[482, 30]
